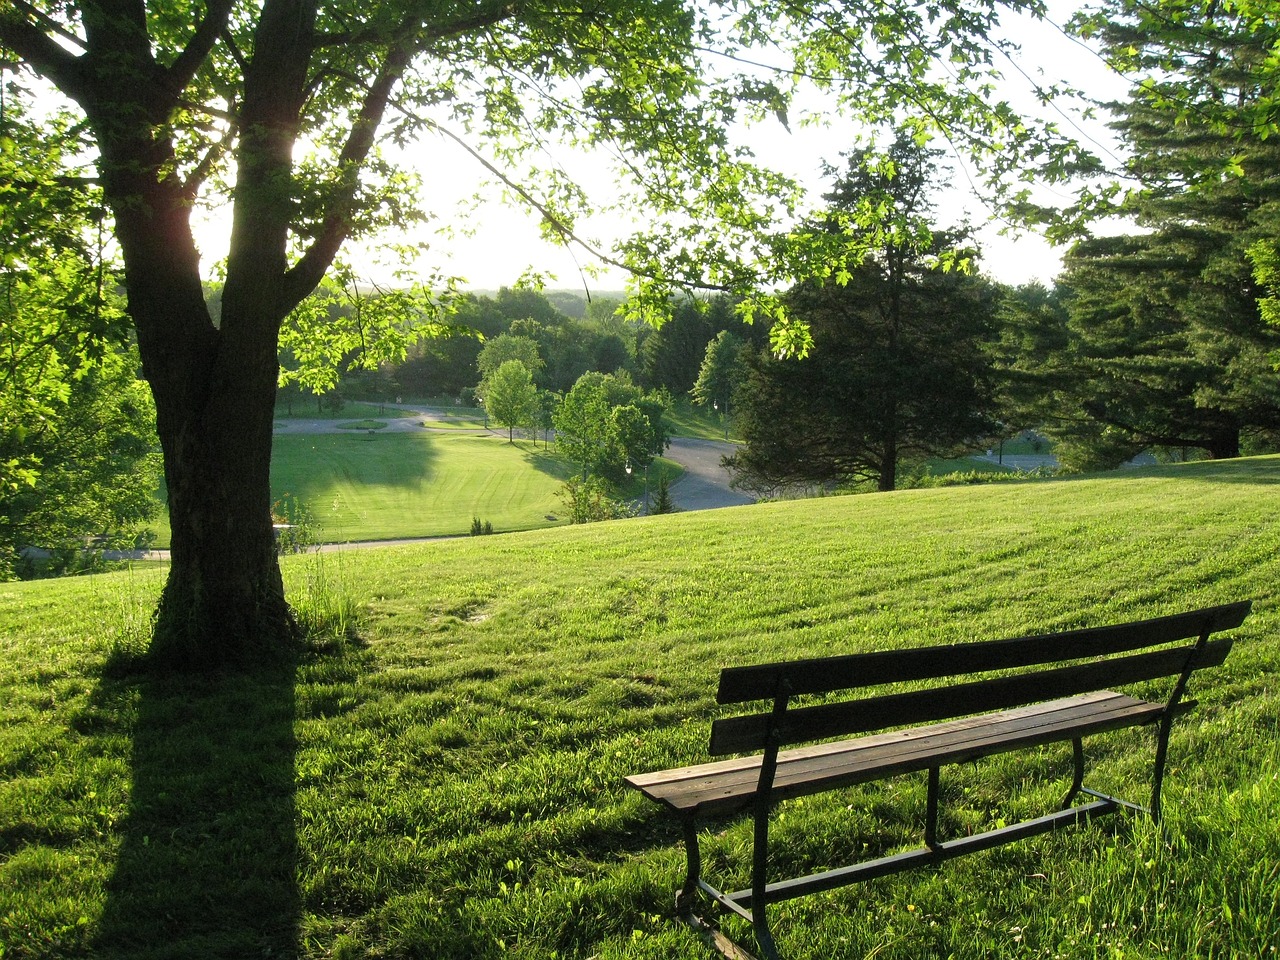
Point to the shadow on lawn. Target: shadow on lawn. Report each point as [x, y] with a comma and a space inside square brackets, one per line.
[208, 862]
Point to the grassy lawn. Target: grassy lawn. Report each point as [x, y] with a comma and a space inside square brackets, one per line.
[449, 785]
[357, 410]
[362, 487]
[388, 486]
[689, 419]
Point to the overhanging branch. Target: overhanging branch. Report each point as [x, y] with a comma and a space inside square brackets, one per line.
[25, 34]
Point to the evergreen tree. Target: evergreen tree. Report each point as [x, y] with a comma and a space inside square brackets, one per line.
[1166, 344]
[897, 370]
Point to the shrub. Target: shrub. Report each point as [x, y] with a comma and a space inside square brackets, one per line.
[589, 500]
[296, 529]
[662, 502]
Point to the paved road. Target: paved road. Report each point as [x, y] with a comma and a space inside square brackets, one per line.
[705, 483]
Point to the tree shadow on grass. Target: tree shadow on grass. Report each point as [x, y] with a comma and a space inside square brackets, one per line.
[207, 866]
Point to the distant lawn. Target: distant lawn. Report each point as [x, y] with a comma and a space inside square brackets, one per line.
[385, 486]
[389, 486]
[689, 419]
[449, 786]
[353, 410]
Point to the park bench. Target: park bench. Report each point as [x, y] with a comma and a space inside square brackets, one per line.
[985, 698]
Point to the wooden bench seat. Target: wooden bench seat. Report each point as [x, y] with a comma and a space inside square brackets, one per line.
[998, 696]
[728, 786]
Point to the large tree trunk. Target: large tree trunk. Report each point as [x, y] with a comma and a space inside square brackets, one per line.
[224, 600]
[1224, 445]
[214, 383]
[214, 387]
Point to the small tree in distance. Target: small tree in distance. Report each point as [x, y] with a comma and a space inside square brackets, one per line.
[512, 399]
[723, 369]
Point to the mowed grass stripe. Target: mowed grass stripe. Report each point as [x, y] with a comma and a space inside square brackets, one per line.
[451, 787]
[405, 485]
[388, 486]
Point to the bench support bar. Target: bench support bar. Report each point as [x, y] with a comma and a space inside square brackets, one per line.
[741, 902]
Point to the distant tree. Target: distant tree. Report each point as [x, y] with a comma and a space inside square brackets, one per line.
[511, 398]
[670, 356]
[606, 421]
[633, 435]
[521, 303]
[583, 426]
[610, 353]
[722, 372]
[504, 348]
[898, 368]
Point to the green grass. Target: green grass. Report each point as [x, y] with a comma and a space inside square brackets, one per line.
[358, 410]
[687, 419]
[361, 487]
[449, 786]
[388, 486]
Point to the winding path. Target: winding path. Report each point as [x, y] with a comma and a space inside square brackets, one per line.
[705, 483]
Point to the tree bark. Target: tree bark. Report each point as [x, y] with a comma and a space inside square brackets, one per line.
[214, 383]
[1224, 445]
[215, 389]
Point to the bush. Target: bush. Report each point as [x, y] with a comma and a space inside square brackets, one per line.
[662, 502]
[295, 528]
[589, 500]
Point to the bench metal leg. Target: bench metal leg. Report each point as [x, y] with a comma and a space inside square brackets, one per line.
[693, 871]
[931, 811]
[759, 882]
[1162, 753]
[1077, 781]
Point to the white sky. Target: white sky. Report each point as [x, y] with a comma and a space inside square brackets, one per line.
[503, 241]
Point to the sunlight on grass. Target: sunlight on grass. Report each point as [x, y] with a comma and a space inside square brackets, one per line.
[450, 785]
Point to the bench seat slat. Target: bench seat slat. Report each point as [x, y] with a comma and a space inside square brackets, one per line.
[729, 785]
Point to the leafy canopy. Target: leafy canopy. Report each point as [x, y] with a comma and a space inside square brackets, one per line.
[659, 90]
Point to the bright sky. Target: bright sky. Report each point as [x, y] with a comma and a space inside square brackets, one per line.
[493, 244]
[506, 241]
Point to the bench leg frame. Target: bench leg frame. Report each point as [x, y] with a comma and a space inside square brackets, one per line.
[750, 904]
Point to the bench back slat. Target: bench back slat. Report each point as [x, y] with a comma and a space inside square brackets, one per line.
[800, 677]
[753, 732]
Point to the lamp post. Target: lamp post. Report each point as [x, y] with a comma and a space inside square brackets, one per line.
[646, 485]
[715, 405]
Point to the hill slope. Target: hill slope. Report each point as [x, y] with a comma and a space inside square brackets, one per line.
[450, 786]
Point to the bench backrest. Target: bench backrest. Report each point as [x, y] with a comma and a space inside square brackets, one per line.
[1082, 661]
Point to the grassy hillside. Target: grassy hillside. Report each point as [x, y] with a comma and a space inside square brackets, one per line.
[360, 485]
[374, 487]
[449, 786]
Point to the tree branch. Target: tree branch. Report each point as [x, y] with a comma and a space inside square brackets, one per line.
[486, 16]
[26, 36]
[303, 277]
[408, 41]
[194, 55]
